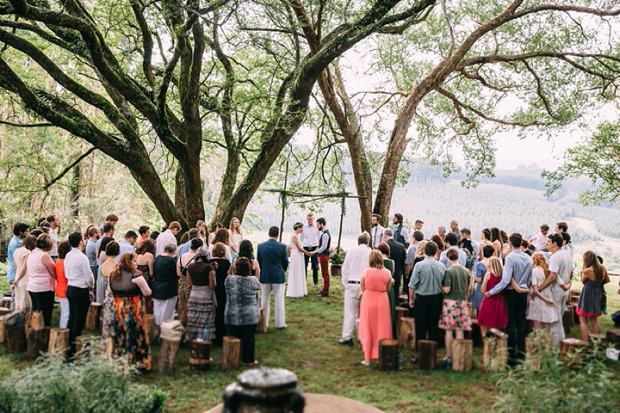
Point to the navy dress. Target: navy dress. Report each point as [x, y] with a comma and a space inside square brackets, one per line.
[476, 298]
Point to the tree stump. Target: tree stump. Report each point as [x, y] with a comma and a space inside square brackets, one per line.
[533, 352]
[81, 343]
[261, 327]
[5, 302]
[567, 319]
[475, 335]
[34, 320]
[231, 351]
[495, 351]
[168, 355]
[568, 350]
[37, 342]
[199, 355]
[150, 320]
[400, 313]
[406, 334]
[388, 354]
[613, 337]
[93, 316]
[58, 342]
[4, 311]
[427, 354]
[462, 354]
[16, 338]
[2, 330]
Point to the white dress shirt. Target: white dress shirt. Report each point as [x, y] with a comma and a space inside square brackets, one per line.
[309, 236]
[54, 236]
[376, 234]
[166, 237]
[77, 270]
[355, 262]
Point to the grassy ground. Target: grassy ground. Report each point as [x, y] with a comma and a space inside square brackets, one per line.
[309, 348]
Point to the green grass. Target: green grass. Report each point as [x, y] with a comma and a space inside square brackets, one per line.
[309, 348]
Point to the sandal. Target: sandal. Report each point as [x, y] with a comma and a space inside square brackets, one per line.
[365, 363]
[254, 363]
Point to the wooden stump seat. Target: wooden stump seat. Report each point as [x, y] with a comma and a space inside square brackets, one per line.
[388, 354]
[462, 354]
[231, 352]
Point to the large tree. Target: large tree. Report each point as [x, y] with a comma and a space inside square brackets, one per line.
[178, 75]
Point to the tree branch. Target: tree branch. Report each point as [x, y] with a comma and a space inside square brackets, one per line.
[68, 168]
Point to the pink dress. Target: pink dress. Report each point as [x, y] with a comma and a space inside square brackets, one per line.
[493, 311]
[375, 319]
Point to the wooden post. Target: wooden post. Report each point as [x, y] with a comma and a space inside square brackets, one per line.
[400, 313]
[427, 354]
[199, 355]
[59, 342]
[168, 355]
[261, 327]
[613, 337]
[494, 351]
[406, 334]
[2, 330]
[231, 351]
[150, 319]
[388, 354]
[567, 320]
[4, 311]
[38, 341]
[92, 316]
[532, 352]
[569, 346]
[462, 354]
[15, 338]
[5, 302]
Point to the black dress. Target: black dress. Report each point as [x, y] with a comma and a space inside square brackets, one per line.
[220, 294]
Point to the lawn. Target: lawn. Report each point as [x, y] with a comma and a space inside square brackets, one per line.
[309, 348]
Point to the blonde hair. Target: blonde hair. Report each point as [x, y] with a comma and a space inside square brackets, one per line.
[539, 260]
[375, 259]
[235, 230]
[419, 251]
[495, 267]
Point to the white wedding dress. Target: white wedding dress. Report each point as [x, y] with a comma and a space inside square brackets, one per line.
[296, 273]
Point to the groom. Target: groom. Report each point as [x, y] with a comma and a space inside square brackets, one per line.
[325, 239]
[273, 261]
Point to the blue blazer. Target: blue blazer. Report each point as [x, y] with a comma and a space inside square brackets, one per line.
[273, 261]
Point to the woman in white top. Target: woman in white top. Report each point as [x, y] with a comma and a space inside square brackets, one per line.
[236, 236]
[22, 298]
[541, 309]
[222, 235]
[297, 269]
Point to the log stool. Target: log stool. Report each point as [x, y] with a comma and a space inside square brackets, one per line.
[388, 354]
[567, 319]
[171, 334]
[598, 342]
[406, 334]
[150, 321]
[613, 337]
[400, 313]
[2, 330]
[574, 296]
[231, 352]
[261, 327]
[4, 311]
[93, 316]
[462, 354]
[568, 347]
[58, 342]
[495, 351]
[534, 352]
[199, 355]
[37, 342]
[427, 354]
[15, 338]
[5, 302]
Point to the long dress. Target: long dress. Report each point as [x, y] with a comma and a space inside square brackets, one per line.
[538, 310]
[220, 294]
[389, 265]
[493, 311]
[297, 273]
[201, 303]
[146, 273]
[375, 319]
[22, 298]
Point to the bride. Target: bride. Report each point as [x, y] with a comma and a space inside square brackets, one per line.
[297, 269]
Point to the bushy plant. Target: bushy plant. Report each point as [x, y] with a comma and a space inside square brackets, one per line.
[578, 382]
[337, 256]
[90, 384]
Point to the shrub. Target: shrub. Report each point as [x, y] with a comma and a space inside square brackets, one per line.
[337, 257]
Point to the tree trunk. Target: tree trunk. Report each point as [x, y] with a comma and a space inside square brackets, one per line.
[231, 352]
[38, 341]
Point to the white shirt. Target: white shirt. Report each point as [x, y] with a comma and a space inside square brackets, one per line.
[376, 234]
[77, 270]
[539, 240]
[355, 262]
[166, 237]
[54, 236]
[309, 236]
[403, 233]
[561, 263]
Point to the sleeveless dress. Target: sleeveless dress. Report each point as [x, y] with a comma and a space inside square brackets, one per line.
[389, 265]
[22, 298]
[375, 318]
[476, 297]
[591, 297]
[538, 310]
[297, 273]
[493, 311]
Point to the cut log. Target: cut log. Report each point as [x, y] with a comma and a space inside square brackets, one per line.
[613, 337]
[16, 338]
[571, 309]
[5, 302]
[462, 354]
[388, 354]
[533, 353]
[152, 334]
[400, 313]
[59, 342]
[568, 350]
[567, 319]
[2, 330]
[168, 355]
[93, 316]
[199, 355]
[598, 342]
[494, 351]
[406, 335]
[427, 354]
[261, 327]
[231, 350]
[38, 342]
[4, 311]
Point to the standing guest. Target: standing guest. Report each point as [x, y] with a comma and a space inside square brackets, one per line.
[426, 293]
[466, 235]
[247, 250]
[388, 264]
[86, 230]
[376, 233]
[480, 269]
[186, 241]
[505, 244]
[42, 278]
[325, 240]
[568, 246]
[202, 302]
[22, 299]
[169, 236]
[485, 239]
[560, 274]
[222, 235]
[515, 284]
[441, 231]
[241, 314]
[165, 285]
[91, 250]
[561, 227]
[216, 227]
[541, 309]
[222, 266]
[62, 284]
[20, 230]
[185, 285]
[355, 262]
[417, 226]
[201, 226]
[154, 235]
[107, 232]
[54, 225]
[454, 227]
[440, 244]
[398, 253]
[297, 273]
[80, 281]
[273, 260]
[112, 250]
[375, 321]
[399, 231]
[589, 307]
[540, 240]
[418, 237]
[131, 330]
[454, 312]
[496, 240]
[236, 235]
[310, 242]
[145, 264]
[493, 311]
[452, 244]
[101, 258]
[145, 233]
[110, 220]
[127, 243]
